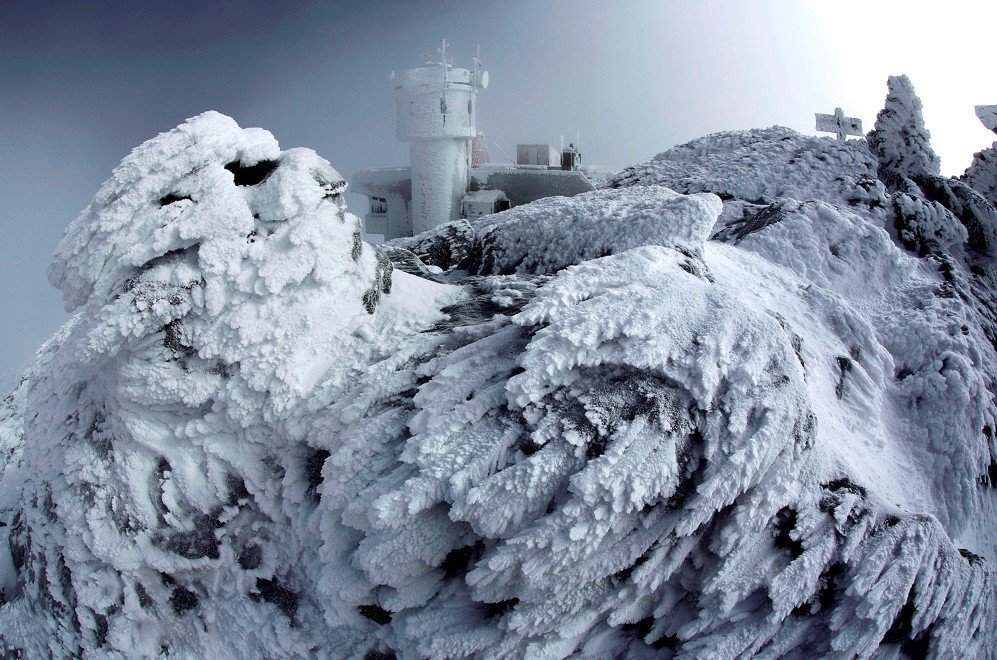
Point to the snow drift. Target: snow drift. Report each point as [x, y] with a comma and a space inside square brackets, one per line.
[578, 427]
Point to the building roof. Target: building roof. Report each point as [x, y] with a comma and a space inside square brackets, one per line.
[523, 186]
[384, 181]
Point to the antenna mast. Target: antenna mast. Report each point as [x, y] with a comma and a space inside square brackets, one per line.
[443, 90]
[443, 62]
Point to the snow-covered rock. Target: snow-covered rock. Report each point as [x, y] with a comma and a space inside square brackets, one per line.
[550, 234]
[578, 427]
[981, 175]
[763, 165]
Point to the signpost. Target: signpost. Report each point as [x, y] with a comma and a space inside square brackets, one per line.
[840, 124]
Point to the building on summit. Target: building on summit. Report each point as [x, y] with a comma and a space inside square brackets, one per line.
[449, 175]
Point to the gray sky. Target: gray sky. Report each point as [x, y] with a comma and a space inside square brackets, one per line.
[83, 83]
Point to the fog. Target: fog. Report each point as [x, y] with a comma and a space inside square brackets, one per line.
[81, 85]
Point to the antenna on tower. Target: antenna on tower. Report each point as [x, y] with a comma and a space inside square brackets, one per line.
[480, 75]
[443, 59]
[443, 90]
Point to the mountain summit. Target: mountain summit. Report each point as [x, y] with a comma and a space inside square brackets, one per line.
[740, 401]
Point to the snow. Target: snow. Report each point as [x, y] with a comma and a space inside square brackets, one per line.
[739, 402]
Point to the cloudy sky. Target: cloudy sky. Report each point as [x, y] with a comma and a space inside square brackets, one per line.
[82, 83]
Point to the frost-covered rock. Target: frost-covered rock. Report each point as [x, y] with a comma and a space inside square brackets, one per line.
[213, 280]
[577, 427]
[216, 220]
[763, 165]
[554, 233]
[442, 247]
[548, 235]
[921, 221]
[981, 175]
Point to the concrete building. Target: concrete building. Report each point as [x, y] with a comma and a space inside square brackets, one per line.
[389, 192]
[483, 202]
[449, 176]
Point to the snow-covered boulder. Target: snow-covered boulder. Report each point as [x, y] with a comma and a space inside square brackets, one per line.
[550, 234]
[981, 175]
[213, 279]
[578, 427]
[442, 247]
[763, 165]
[556, 232]
[920, 222]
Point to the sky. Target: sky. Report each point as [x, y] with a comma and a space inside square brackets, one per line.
[82, 83]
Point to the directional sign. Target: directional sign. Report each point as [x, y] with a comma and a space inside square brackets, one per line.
[840, 124]
[988, 115]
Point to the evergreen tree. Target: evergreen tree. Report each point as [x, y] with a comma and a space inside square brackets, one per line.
[900, 142]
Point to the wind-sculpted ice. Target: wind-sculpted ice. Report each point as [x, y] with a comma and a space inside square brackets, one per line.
[575, 428]
[981, 175]
[763, 165]
[552, 233]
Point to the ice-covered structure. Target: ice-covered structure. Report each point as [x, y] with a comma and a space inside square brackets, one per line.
[436, 116]
[723, 407]
[449, 176]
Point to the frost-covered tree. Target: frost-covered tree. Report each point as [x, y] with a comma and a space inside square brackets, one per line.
[900, 141]
[928, 208]
[576, 428]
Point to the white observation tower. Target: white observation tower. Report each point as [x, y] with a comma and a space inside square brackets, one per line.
[436, 106]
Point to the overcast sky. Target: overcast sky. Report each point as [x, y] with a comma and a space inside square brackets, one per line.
[82, 83]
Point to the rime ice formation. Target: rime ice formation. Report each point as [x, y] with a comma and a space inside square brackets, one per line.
[982, 173]
[900, 141]
[763, 165]
[533, 240]
[581, 427]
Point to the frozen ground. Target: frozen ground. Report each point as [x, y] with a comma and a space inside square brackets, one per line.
[740, 401]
